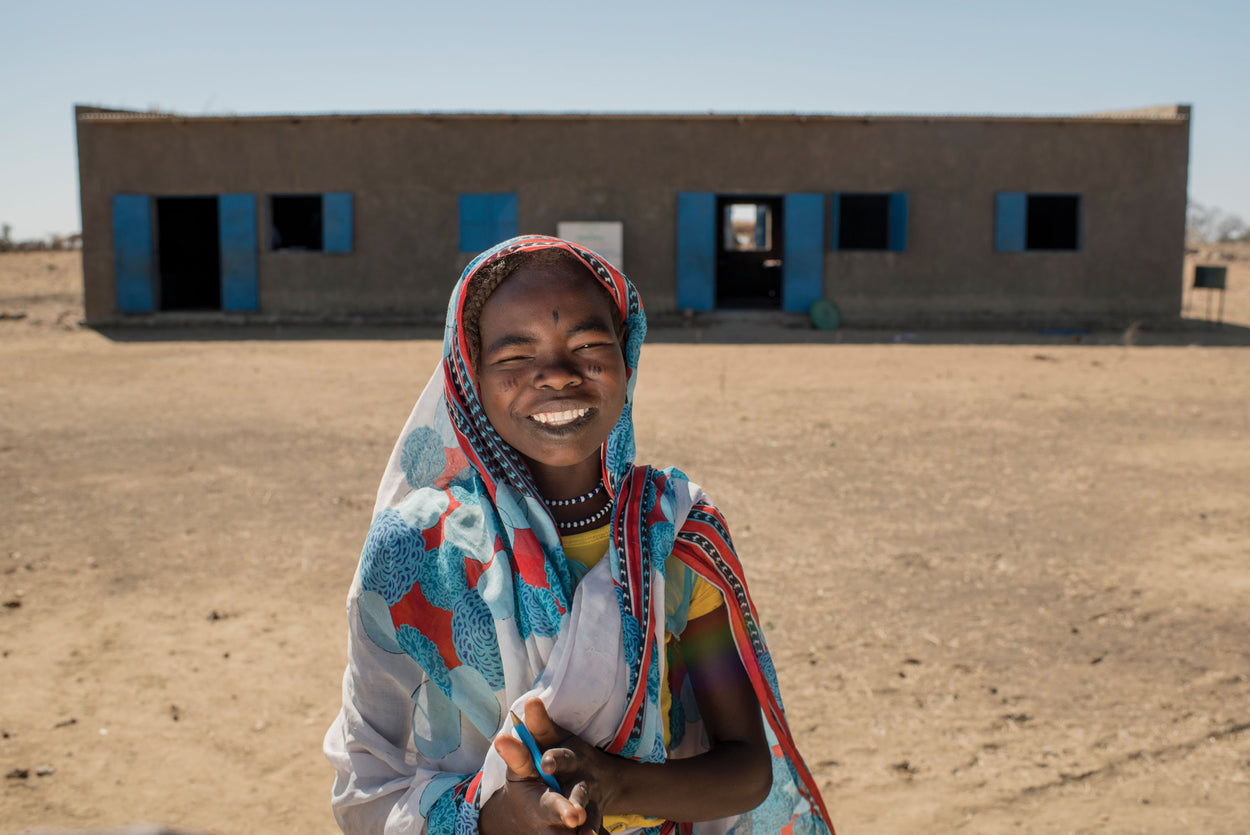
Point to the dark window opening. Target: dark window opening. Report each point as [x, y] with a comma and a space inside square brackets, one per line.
[295, 222]
[1052, 221]
[864, 221]
[189, 253]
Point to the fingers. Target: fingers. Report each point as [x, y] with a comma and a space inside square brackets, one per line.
[564, 764]
[580, 795]
[545, 732]
[565, 810]
[558, 761]
[517, 757]
[569, 812]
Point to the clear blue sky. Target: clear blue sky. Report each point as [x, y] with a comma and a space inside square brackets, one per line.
[643, 55]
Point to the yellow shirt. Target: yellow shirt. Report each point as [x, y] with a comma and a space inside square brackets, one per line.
[587, 549]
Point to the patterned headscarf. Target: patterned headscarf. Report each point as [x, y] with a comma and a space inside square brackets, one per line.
[464, 572]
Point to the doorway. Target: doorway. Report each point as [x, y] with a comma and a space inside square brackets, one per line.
[188, 253]
[749, 252]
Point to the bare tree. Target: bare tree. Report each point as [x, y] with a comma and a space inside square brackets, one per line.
[1210, 225]
[1229, 228]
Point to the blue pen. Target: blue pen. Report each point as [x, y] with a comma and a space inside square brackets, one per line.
[535, 754]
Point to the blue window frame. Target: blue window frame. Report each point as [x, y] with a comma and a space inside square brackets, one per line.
[133, 267]
[803, 277]
[336, 224]
[802, 280]
[138, 272]
[1037, 222]
[311, 222]
[486, 218]
[236, 222]
[869, 221]
[696, 250]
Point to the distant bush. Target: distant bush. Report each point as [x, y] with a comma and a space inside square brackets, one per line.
[52, 243]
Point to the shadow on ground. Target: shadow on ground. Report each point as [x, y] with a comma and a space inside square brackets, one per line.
[1176, 332]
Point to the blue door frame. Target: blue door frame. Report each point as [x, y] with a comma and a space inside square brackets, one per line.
[803, 268]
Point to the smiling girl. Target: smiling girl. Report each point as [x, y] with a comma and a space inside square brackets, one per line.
[520, 561]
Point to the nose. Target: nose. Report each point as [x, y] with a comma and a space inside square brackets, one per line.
[557, 371]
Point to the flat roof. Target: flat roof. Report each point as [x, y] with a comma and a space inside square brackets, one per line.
[1161, 113]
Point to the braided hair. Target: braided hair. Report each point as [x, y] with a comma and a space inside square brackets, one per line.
[487, 279]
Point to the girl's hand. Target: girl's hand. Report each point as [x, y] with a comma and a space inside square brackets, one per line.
[582, 770]
[525, 805]
[592, 774]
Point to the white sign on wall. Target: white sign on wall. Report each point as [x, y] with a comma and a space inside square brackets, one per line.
[605, 237]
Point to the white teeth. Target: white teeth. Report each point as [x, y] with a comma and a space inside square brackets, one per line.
[559, 418]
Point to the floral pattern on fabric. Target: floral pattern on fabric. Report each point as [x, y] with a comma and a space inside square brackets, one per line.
[391, 558]
[423, 459]
[476, 641]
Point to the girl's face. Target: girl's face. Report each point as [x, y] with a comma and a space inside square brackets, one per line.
[551, 371]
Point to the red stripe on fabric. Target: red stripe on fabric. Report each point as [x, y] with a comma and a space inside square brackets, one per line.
[781, 729]
[641, 572]
[633, 550]
[466, 448]
[695, 557]
[606, 474]
[647, 607]
[450, 391]
[723, 549]
[461, 344]
[702, 563]
[627, 550]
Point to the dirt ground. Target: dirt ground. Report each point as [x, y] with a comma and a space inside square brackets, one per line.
[1005, 583]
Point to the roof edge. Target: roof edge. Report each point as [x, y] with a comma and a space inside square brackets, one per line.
[1159, 113]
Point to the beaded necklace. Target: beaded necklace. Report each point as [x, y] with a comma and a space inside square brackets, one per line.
[594, 517]
[583, 498]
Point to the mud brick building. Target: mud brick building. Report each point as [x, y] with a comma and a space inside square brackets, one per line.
[900, 220]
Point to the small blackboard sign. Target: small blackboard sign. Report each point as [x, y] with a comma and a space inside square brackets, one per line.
[1212, 278]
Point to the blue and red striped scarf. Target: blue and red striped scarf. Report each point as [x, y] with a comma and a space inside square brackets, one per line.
[464, 572]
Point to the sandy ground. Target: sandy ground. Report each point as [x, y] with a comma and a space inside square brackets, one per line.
[1005, 584]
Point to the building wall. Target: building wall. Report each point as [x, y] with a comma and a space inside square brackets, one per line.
[406, 172]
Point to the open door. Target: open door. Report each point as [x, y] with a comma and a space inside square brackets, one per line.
[188, 253]
[750, 243]
[749, 252]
